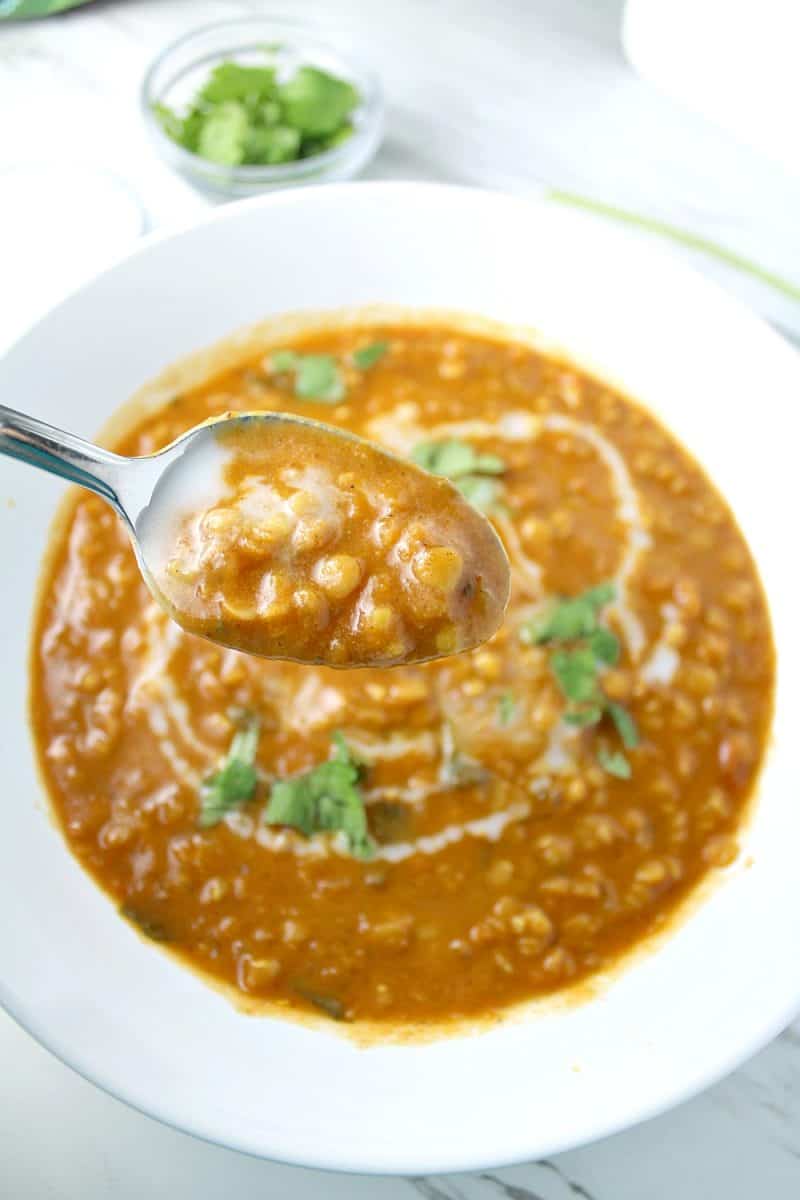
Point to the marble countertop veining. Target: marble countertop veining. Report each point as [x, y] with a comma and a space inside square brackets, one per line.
[509, 93]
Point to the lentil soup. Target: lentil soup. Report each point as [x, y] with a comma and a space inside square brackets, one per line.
[424, 843]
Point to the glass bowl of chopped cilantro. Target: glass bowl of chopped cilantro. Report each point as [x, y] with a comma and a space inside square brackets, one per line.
[243, 106]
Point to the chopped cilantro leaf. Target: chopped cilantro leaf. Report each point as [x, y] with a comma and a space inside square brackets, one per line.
[450, 458]
[234, 783]
[605, 646]
[472, 473]
[315, 102]
[170, 122]
[576, 674]
[223, 134]
[367, 356]
[582, 649]
[625, 725]
[316, 376]
[283, 360]
[506, 708]
[583, 717]
[573, 618]
[336, 138]
[269, 112]
[614, 763]
[192, 127]
[482, 493]
[455, 459]
[325, 799]
[489, 464]
[600, 595]
[233, 81]
[291, 802]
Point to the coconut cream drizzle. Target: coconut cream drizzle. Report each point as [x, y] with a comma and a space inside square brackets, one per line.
[663, 660]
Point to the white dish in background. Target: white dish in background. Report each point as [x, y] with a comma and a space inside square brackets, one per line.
[735, 63]
[46, 247]
[146, 1029]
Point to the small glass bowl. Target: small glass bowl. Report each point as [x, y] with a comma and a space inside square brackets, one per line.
[178, 72]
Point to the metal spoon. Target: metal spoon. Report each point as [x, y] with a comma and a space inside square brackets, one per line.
[149, 493]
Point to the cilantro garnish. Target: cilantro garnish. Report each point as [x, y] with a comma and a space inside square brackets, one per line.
[316, 376]
[474, 474]
[584, 717]
[569, 619]
[284, 360]
[614, 763]
[576, 674]
[581, 649]
[506, 708]
[242, 115]
[325, 799]
[234, 783]
[319, 376]
[605, 646]
[367, 356]
[625, 725]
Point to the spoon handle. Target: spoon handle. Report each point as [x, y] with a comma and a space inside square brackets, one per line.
[31, 441]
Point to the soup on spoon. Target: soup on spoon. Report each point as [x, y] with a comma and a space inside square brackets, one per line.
[286, 538]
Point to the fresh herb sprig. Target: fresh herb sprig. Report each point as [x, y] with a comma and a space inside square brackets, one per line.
[506, 708]
[234, 783]
[326, 799]
[319, 376]
[582, 647]
[475, 475]
[246, 116]
[316, 376]
[366, 356]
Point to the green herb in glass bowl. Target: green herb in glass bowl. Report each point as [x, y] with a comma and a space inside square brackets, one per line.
[252, 104]
[244, 115]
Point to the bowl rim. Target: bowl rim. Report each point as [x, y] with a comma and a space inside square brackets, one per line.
[372, 104]
[697, 1077]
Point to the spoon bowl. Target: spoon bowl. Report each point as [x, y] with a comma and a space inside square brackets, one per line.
[287, 538]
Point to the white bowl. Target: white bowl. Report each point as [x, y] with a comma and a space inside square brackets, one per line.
[718, 987]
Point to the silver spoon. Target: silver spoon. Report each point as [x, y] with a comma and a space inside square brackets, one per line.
[151, 492]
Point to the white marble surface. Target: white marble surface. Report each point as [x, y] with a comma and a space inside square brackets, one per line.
[508, 93]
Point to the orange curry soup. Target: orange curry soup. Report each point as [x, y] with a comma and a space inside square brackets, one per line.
[535, 807]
